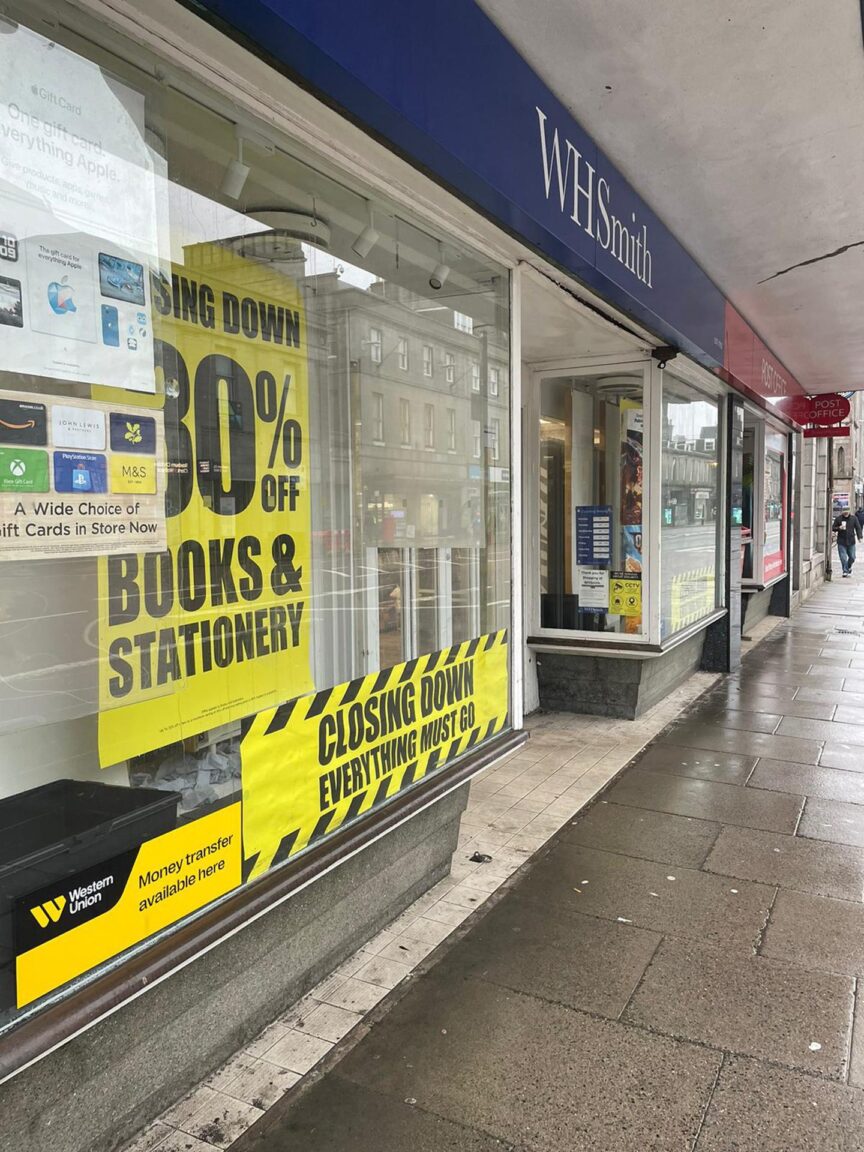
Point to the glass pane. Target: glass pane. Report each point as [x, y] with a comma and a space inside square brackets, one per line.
[249, 455]
[591, 502]
[774, 563]
[690, 506]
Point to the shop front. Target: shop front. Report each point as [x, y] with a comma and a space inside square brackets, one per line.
[342, 421]
[256, 558]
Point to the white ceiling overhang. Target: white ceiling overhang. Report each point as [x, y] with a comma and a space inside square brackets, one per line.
[742, 125]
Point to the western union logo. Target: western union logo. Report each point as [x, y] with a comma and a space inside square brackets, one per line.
[49, 912]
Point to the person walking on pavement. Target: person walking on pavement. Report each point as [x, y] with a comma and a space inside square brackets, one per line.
[848, 529]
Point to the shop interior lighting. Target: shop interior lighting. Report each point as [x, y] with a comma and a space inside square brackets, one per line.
[236, 174]
[369, 237]
[440, 272]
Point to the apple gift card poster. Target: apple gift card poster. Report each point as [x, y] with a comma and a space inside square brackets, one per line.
[78, 219]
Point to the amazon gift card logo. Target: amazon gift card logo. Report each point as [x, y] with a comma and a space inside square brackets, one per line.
[49, 912]
[23, 423]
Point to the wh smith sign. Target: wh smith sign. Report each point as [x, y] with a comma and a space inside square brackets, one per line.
[445, 88]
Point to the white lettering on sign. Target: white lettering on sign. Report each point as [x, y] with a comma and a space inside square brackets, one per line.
[588, 203]
[772, 380]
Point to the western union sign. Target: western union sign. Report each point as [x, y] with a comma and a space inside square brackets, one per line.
[318, 762]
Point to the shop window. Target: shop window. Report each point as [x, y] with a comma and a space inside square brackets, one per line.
[495, 438]
[591, 502]
[774, 540]
[428, 426]
[192, 418]
[378, 417]
[690, 523]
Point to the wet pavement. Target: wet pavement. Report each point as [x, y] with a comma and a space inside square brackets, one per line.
[677, 969]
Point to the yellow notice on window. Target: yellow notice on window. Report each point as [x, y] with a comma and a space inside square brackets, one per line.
[316, 763]
[217, 627]
[625, 594]
[75, 924]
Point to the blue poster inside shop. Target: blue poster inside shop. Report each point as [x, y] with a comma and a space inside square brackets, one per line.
[593, 533]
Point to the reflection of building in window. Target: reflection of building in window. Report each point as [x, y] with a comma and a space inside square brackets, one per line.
[450, 367]
[427, 360]
[403, 354]
[475, 428]
[463, 323]
[451, 429]
[375, 345]
[405, 422]
[475, 376]
[428, 426]
[496, 438]
[494, 378]
[378, 417]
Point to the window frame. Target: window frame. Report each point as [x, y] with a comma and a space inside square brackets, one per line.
[404, 422]
[376, 345]
[429, 426]
[402, 353]
[652, 501]
[378, 418]
[450, 367]
[428, 361]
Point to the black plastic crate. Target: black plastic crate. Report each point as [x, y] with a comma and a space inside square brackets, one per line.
[58, 829]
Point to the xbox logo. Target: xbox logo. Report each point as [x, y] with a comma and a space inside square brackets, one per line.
[17, 467]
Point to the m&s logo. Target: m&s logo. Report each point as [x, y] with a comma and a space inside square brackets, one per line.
[49, 912]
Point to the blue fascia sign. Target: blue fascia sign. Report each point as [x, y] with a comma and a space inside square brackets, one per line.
[440, 84]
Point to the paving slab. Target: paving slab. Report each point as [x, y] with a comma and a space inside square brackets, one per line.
[757, 1108]
[761, 679]
[806, 780]
[520, 945]
[817, 933]
[719, 716]
[750, 1006]
[812, 729]
[826, 696]
[699, 764]
[535, 1074]
[660, 897]
[837, 754]
[754, 702]
[338, 1116]
[694, 734]
[856, 1059]
[650, 835]
[706, 800]
[834, 821]
[789, 862]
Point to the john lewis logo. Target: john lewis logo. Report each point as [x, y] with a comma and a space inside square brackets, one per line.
[588, 202]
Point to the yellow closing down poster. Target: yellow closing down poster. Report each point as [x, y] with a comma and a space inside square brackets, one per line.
[317, 762]
[217, 626]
